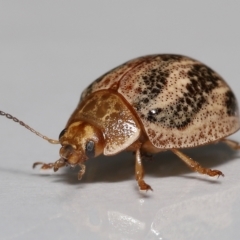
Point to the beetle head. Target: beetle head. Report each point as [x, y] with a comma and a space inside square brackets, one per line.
[80, 141]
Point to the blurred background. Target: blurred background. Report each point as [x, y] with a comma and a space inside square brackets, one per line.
[50, 51]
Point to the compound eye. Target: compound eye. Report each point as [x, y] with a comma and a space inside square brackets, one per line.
[90, 149]
[62, 133]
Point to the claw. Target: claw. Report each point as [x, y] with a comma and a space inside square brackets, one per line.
[144, 186]
[55, 168]
[37, 163]
[58, 164]
[217, 173]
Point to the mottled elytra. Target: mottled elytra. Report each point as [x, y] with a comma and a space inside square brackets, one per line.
[148, 105]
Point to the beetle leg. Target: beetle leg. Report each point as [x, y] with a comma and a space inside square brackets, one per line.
[139, 172]
[233, 144]
[195, 166]
[82, 171]
[58, 164]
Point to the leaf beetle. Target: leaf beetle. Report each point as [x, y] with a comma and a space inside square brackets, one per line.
[147, 105]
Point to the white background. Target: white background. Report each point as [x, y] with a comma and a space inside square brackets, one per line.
[49, 52]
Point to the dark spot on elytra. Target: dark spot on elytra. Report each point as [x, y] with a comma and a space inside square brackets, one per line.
[155, 91]
[145, 100]
[231, 103]
[178, 115]
[191, 89]
[179, 107]
[154, 111]
[153, 82]
[188, 100]
[151, 118]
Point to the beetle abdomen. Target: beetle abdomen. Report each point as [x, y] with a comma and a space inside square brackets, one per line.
[180, 101]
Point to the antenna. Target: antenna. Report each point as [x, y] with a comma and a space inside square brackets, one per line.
[7, 115]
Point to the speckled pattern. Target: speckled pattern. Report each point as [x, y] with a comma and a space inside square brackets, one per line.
[180, 101]
[108, 112]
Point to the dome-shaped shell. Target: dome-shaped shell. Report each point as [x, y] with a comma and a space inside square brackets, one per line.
[179, 101]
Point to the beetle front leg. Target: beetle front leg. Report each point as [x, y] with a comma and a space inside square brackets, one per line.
[139, 172]
[82, 171]
[58, 164]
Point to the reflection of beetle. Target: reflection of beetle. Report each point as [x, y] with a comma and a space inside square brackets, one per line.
[147, 105]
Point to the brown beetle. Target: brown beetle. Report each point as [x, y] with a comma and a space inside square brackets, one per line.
[148, 105]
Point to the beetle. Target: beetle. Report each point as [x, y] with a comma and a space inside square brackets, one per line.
[147, 105]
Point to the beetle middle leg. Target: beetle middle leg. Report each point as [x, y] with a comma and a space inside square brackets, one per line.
[195, 166]
[58, 164]
[139, 172]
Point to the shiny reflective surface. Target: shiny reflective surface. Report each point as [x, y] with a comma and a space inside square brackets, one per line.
[107, 205]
